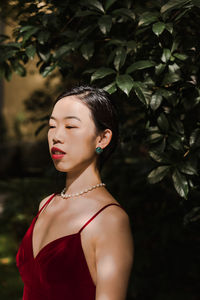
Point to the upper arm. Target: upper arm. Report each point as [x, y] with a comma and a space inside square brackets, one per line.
[114, 255]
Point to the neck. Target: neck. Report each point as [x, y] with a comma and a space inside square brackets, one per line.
[77, 181]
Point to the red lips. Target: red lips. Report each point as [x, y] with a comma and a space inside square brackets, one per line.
[57, 153]
[55, 150]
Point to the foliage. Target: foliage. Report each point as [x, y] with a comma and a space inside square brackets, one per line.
[146, 54]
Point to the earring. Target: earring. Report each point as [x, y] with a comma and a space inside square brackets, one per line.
[99, 150]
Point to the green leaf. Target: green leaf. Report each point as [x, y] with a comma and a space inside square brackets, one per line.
[170, 78]
[158, 156]
[173, 68]
[62, 50]
[87, 50]
[169, 27]
[27, 34]
[13, 45]
[173, 4]
[18, 68]
[105, 24]
[48, 70]
[155, 137]
[125, 83]
[45, 56]
[188, 168]
[101, 73]
[166, 55]
[109, 3]
[163, 122]
[159, 69]
[143, 93]
[7, 54]
[43, 37]
[158, 28]
[147, 18]
[30, 51]
[140, 65]
[175, 142]
[131, 46]
[124, 12]
[155, 101]
[158, 174]
[180, 56]
[180, 183]
[27, 28]
[195, 138]
[111, 88]
[120, 58]
[96, 4]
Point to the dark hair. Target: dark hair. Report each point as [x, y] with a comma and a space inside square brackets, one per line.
[104, 114]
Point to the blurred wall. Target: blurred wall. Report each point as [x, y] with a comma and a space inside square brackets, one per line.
[15, 92]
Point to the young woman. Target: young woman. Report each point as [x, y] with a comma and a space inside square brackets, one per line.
[79, 246]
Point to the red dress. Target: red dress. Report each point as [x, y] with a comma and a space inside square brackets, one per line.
[59, 271]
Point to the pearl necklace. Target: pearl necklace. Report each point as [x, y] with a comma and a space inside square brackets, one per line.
[64, 196]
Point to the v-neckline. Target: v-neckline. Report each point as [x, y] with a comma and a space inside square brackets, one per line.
[49, 243]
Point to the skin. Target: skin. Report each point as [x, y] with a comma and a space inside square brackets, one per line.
[107, 241]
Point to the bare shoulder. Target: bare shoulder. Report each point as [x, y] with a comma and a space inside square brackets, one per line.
[43, 201]
[113, 219]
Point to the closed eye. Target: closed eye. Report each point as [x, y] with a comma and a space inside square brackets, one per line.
[70, 127]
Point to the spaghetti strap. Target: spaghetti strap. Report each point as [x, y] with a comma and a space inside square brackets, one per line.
[97, 214]
[51, 197]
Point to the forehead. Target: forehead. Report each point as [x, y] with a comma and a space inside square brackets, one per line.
[71, 105]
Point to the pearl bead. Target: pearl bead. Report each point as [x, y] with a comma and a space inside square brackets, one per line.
[65, 196]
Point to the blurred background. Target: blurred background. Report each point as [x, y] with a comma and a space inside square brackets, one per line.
[146, 55]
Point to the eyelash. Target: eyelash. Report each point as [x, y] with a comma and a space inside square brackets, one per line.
[65, 127]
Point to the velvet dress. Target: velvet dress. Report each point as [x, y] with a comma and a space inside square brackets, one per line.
[59, 271]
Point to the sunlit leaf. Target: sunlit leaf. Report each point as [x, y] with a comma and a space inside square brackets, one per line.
[140, 65]
[105, 24]
[120, 58]
[96, 4]
[142, 92]
[155, 101]
[180, 56]
[173, 4]
[101, 73]
[111, 88]
[124, 12]
[180, 183]
[166, 55]
[147, 18]
[125, 83]
[48, 70]
[158, 28]
[30, 51]
[158, 174]
[87, 50]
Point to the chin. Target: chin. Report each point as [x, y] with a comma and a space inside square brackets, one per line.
[62, 167]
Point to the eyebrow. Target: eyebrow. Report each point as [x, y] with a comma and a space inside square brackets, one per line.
[67, 117]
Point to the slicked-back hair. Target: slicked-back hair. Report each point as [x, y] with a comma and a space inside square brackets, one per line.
[104, 113]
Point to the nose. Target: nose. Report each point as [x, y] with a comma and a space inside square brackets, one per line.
[57, 137]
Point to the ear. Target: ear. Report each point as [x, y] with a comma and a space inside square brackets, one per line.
[104, 138]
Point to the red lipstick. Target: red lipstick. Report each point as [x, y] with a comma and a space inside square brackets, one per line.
[57, 153]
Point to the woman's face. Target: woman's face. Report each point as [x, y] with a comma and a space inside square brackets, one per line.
[71, 136]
